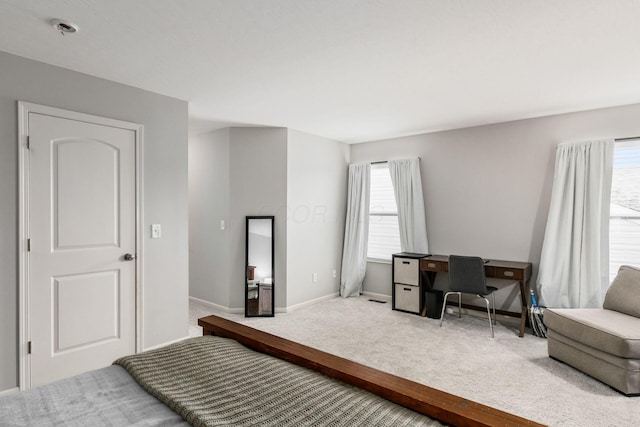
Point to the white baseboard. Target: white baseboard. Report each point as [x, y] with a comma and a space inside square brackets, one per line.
[9, 391]
[240, 310]
[218, 307]
[381, 297]
[499, 317]
[211, 305]
[166, 343]
[308, 303]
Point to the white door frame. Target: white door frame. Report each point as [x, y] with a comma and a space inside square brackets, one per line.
[24, 108]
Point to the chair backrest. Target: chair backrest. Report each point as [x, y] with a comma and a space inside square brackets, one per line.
[466, 274]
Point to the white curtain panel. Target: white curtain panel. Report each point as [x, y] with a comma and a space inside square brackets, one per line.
[407, 186]
[574, 263]
[356, 232]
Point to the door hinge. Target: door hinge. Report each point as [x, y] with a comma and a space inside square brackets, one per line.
[28, 245]
[28, 142]
[29, 347]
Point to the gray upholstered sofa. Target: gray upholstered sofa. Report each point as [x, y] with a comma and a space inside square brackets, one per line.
[602, 342]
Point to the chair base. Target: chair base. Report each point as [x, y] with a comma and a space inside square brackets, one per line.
[492, 321]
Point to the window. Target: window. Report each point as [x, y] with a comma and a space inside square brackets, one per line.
[624, 221]
[384, 233]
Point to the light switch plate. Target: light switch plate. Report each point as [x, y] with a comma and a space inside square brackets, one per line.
[156, 231]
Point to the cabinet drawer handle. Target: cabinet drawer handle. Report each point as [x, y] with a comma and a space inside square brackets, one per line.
[407, 289]
[508, 273]
[430, 264]
[406, 262]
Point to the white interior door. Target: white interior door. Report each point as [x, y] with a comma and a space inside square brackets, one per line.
[82, 221]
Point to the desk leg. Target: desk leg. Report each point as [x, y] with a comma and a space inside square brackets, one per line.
[524, 292]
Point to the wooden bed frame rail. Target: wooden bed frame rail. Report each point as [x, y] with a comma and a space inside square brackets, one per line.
[437, 404]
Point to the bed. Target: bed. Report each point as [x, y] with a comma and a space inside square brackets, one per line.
[237, 375]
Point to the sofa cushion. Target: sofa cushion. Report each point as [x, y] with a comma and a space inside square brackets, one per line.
[624, 293]
[607, 330]
[618, 372]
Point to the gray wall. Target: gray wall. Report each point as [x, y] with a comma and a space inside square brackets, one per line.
[234, 172]
[299, 178]
[487, 188]
[316, 209]
[165, 123]
[258, 167]
[209, 181]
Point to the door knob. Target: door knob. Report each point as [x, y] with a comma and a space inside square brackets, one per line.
[129, 257]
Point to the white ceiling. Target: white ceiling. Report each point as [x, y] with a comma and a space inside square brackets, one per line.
[350, 70]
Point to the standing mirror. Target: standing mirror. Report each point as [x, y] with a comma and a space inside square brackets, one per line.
[259, 300]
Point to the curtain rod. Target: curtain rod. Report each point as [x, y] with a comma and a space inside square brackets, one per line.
[387, 161]
[631, 138]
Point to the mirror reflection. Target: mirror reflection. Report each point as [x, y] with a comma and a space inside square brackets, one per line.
[259, 267]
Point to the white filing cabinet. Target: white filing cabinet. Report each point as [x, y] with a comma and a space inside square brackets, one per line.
[407, 283]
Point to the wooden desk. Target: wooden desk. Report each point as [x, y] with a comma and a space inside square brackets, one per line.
[510, 270]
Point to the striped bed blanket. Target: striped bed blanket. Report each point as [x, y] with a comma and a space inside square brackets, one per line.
[213, 381]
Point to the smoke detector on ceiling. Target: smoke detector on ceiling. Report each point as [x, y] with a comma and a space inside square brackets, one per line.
[64, 26]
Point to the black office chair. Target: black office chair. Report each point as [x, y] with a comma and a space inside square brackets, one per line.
[466, 275]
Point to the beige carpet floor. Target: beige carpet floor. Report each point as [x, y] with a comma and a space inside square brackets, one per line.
[510, 373]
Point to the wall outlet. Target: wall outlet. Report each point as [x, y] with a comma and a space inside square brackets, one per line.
[334, 274]
[156, 231]
[314, 277]
[222, 224]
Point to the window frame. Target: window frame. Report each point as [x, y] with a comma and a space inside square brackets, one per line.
[382, 213]
[615, 263]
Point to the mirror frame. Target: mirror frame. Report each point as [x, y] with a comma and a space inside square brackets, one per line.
[246, 267]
